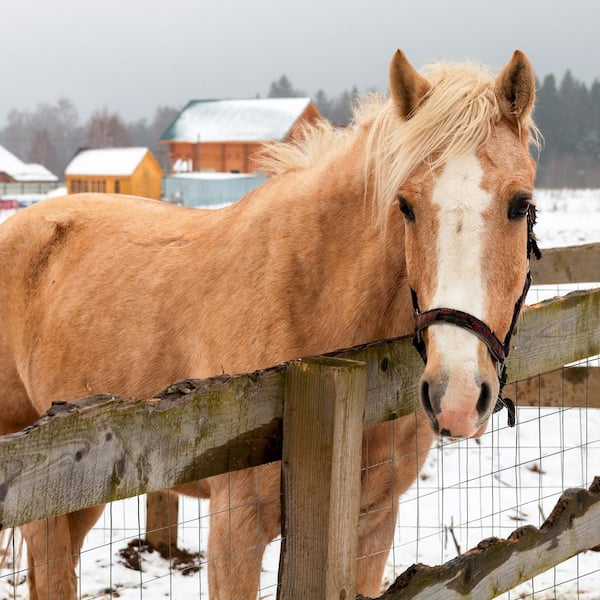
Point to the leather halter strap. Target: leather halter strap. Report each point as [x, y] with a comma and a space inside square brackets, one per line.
[498, 350]
[460, 319]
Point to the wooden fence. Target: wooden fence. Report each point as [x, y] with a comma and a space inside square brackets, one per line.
[106, 448]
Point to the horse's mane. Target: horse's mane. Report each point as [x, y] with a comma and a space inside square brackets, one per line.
[455, 117]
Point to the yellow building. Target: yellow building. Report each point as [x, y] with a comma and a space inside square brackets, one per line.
[115, 170]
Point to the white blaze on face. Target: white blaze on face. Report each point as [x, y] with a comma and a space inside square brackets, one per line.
[461, 203]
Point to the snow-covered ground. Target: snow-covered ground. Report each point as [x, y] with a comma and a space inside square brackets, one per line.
[467, 491]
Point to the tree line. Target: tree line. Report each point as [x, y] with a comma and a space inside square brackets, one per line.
[567, 113]
[51, 134]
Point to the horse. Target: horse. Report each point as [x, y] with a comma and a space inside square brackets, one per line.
[420, 206]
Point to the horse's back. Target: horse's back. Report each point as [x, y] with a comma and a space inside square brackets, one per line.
[88, 289]
[91, 210]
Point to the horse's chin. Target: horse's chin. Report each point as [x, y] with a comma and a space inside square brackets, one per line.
[463, 435]
[480, 431]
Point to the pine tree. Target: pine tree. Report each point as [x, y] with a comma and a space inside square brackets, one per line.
[283, 88]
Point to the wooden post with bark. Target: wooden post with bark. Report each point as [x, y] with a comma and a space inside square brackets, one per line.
[322, 439]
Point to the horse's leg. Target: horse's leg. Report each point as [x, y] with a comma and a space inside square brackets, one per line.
[50, 559]
[393, 454]
[374, 548]
[245, 517]
[50, 568]
[31, 577]
[53, 547]
[80, 522]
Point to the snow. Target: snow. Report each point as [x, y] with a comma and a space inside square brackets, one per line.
[21, 171]
[119, 162]
[567, 217]
[57, 192]
[254, 120]
[468, 490]
[9, 162]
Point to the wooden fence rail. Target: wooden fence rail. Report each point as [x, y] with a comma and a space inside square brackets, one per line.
[105, 448]
[571, 264]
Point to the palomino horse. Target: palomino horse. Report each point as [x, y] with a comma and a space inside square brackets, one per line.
[430, 190]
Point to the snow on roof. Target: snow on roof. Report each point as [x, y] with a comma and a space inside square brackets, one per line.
[21, 171]
[34, 172]
[106, 161]
[254, 120]
[9, 162]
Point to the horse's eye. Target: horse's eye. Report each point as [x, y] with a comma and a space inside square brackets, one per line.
[406, 209]
[519, 206]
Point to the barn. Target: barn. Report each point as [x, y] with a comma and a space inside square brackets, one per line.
[224, 135]
[119, 170]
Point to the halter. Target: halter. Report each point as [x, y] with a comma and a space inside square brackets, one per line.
[497, 349]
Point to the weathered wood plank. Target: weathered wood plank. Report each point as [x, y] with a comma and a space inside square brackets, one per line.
[496, 565]
[323, 414]
[568, 387]
[555, 333]
[573, 264]
[106, 448]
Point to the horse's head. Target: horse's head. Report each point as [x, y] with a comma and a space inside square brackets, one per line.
[466, 205]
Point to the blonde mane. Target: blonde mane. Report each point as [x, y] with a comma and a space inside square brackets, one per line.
[455, 117]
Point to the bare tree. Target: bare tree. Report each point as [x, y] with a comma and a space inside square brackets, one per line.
[105, 129]
[42, 149]
[49, 135]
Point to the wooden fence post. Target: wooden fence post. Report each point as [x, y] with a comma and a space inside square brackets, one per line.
[322, 439]
[162, 511]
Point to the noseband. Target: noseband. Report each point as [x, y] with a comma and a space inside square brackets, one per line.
[497, 349]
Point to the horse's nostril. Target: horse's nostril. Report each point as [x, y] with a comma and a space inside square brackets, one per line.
[485, 397]
[425, 398]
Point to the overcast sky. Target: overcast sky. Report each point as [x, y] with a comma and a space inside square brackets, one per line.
[132, 55]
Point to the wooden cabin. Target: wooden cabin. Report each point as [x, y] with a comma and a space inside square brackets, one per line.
[224, 135]
[116, 170]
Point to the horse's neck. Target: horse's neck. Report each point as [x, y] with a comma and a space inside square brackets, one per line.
[347, 276]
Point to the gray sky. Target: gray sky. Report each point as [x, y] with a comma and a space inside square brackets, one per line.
[132, 55]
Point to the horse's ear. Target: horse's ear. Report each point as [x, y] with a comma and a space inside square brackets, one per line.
[407, 87]
[515, 88]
